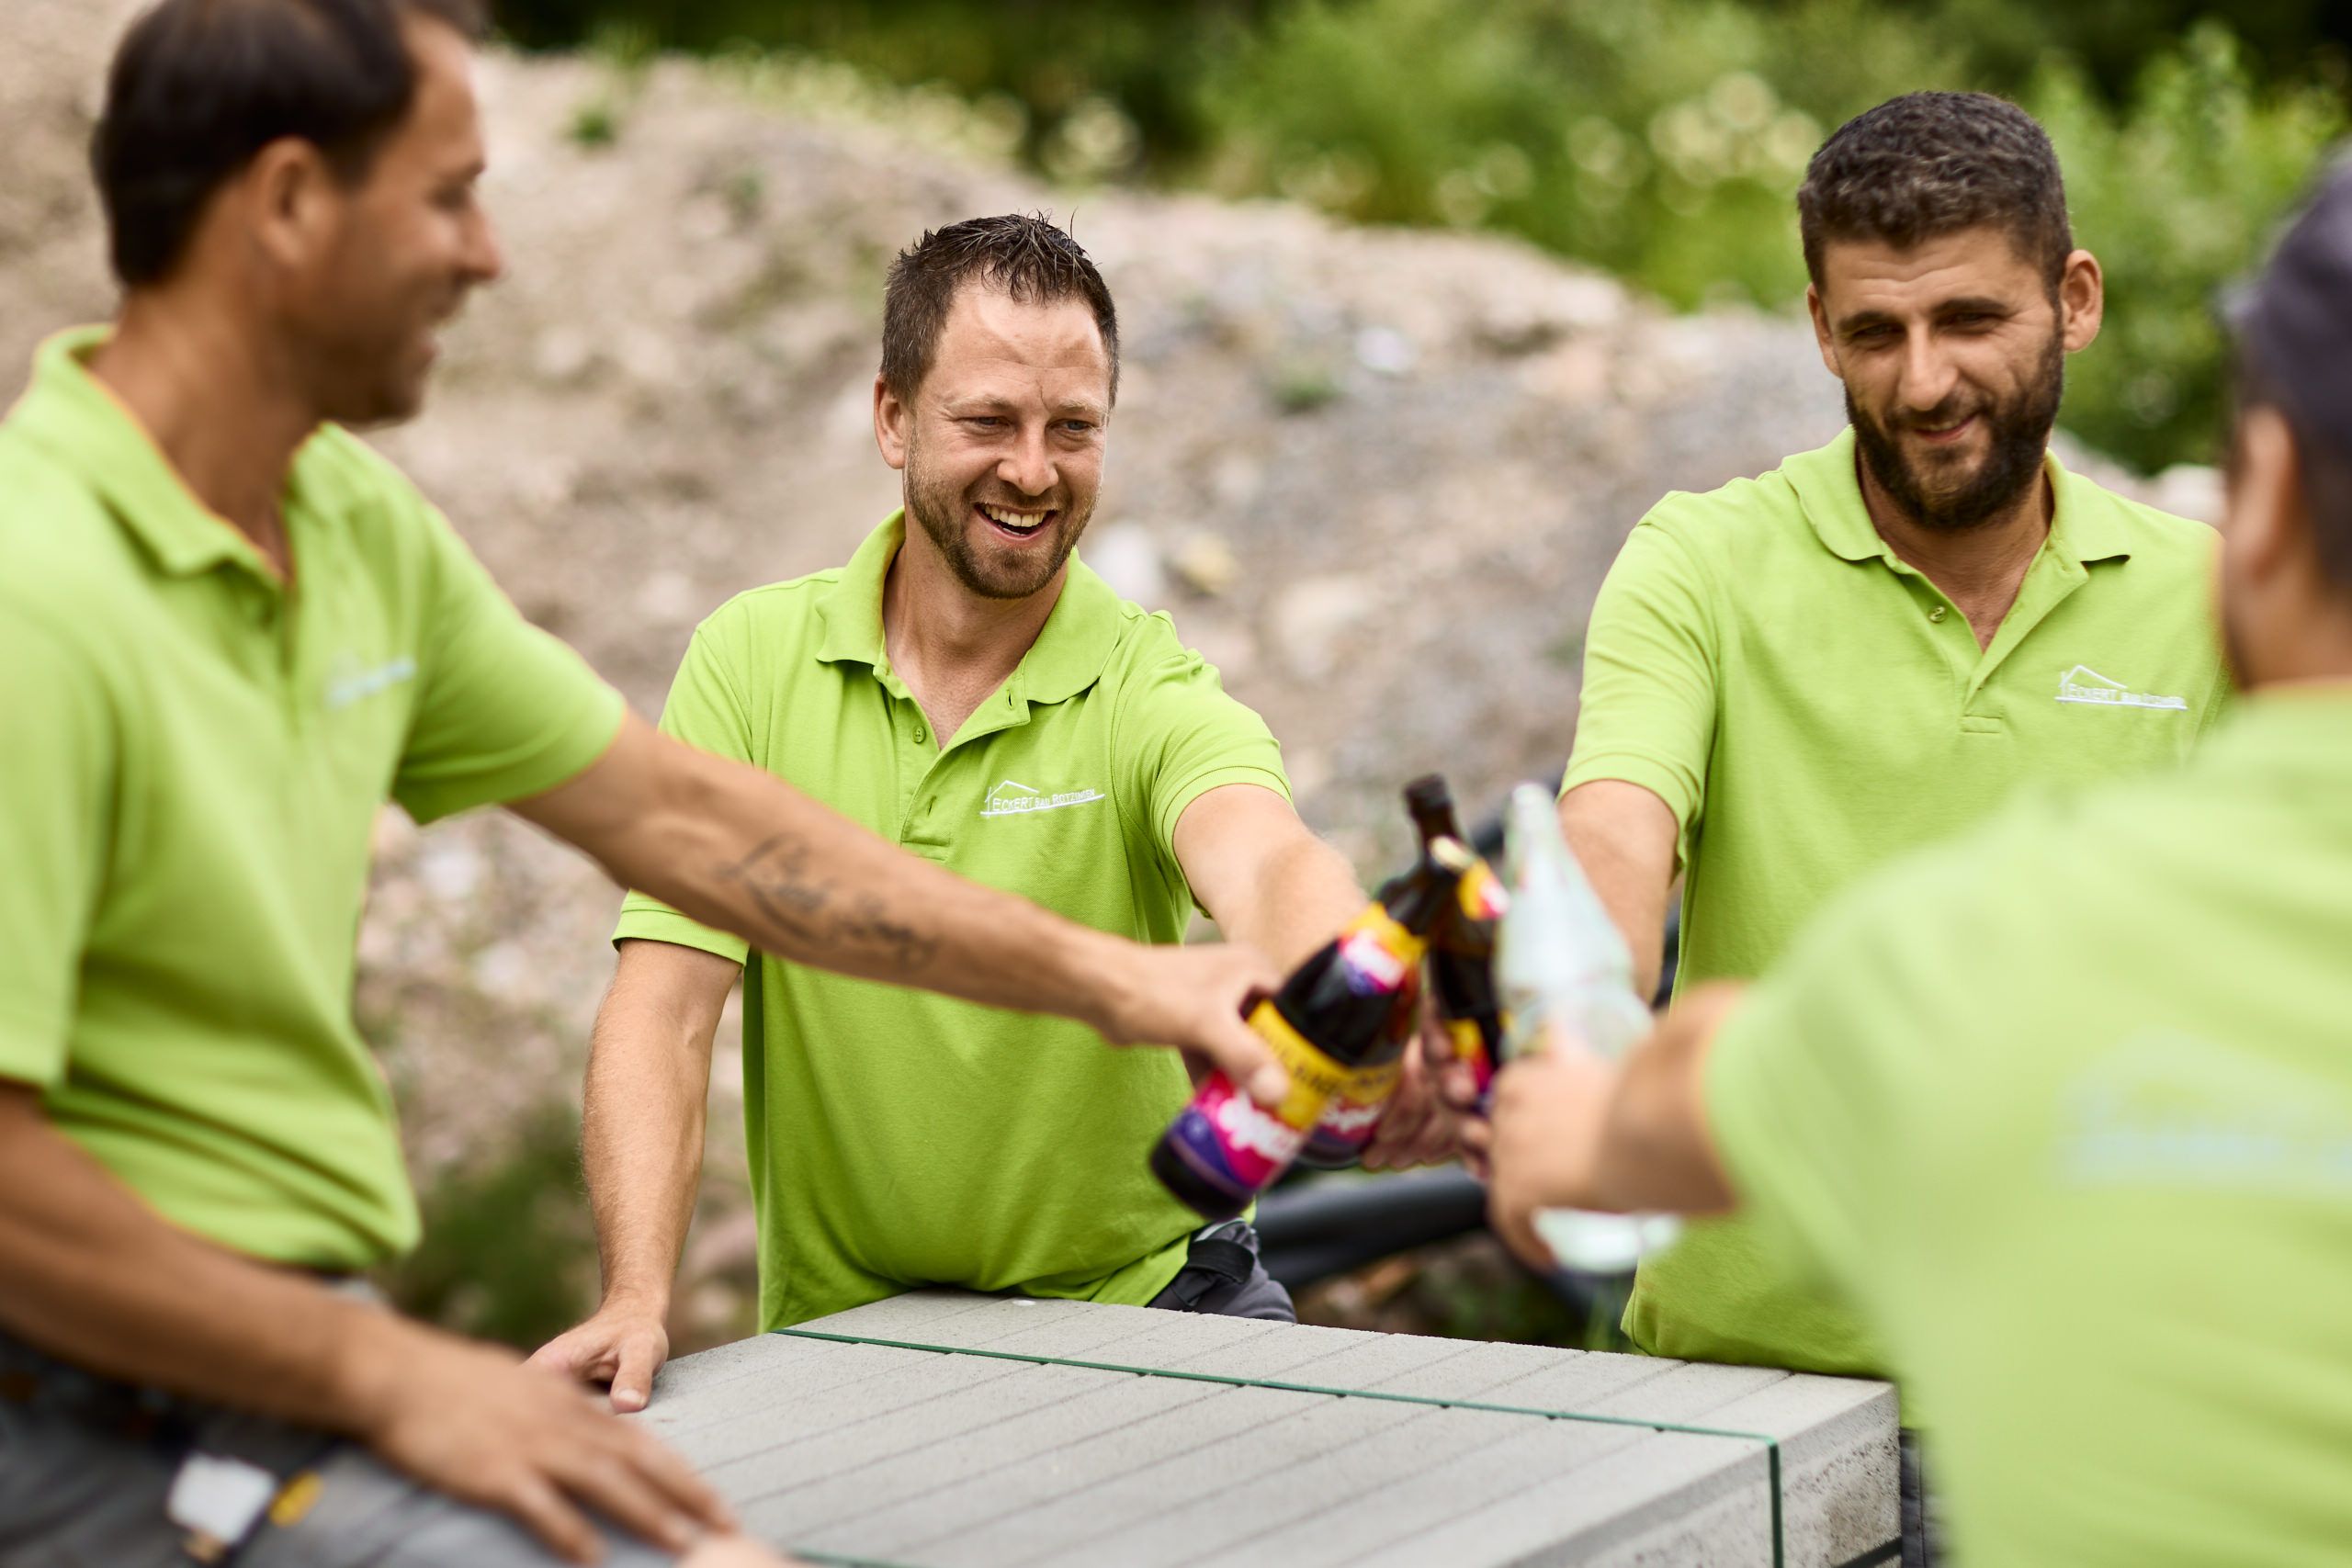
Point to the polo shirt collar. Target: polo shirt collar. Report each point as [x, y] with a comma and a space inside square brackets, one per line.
[89, 430]
[2084, 522]
[1071, 652]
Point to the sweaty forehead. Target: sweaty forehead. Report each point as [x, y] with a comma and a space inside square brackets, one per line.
[990, 335]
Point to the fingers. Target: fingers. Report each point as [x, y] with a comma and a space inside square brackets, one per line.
[631, 1492]
[641, 1356]
[545, 1512]
[577, 1353]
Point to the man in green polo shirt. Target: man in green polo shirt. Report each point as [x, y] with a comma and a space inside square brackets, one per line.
[1793, 678]
[986, 700]
[2064, 1107]
[229, 633]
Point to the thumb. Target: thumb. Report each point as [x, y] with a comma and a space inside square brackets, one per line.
[633, 1383]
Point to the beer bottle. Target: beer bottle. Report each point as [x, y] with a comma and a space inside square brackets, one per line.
[1326, 1021]
[1561, 965]
[1353, 1113]
[1462, 948]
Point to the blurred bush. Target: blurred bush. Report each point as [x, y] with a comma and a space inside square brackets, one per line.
[1664, 142]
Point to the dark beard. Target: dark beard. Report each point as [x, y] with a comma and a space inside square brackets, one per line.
[2021, 433]
[943, 514]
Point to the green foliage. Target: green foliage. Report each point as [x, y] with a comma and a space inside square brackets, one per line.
[509, 1252]
[2177, 196]
[1665, 143]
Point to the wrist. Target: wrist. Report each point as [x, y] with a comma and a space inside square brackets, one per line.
[366, 1360]
[636, 1298]
[1096, 980]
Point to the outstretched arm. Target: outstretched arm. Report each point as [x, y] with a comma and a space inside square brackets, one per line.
[735, 848]
[1574, 1131]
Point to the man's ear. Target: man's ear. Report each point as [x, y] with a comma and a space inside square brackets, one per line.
[2268, 527]
[1820, 314]
[2082, 301]
[892, 417]
[290, 202]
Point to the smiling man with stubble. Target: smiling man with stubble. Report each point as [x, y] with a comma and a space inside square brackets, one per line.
[966, 687]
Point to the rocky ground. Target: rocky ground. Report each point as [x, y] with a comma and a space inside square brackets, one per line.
[1375, 475]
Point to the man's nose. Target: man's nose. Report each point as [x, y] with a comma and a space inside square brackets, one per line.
[485, 261]
[1028, 467]
[1929, 374]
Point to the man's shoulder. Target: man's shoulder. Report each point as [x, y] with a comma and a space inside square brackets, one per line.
[1742, 521]
[70, 565]
[2148, 534]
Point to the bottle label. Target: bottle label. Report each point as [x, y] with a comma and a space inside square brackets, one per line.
[1354, 1113]
[1230, 1141]
[1480, 892]
[1378, 953]
[1470, 1048]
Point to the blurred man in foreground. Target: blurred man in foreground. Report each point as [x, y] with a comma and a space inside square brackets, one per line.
[989, 700]
[229, 632]
[2065, 1107]
[1795, 678]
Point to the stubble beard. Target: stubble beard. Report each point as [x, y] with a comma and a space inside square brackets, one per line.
[943, 512]
[2020, 432]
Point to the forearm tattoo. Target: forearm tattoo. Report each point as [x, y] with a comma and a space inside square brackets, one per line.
[785, 883]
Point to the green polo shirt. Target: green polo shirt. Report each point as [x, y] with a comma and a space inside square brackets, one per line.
[192, 755]
[1809, 706]
[900, 1139]
[2065, 1108]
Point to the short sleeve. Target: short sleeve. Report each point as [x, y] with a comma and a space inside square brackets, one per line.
[504, 710]
[58, 767]
[1815, 1086]
[705, 709]
[1179, 735]
[1648, 713]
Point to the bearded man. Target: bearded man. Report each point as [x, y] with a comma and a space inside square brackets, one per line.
[1796, 677]
[969, 688]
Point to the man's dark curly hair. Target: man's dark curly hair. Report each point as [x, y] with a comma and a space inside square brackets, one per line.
[1928, 164]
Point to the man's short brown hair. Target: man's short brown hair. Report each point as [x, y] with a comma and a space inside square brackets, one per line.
[1031, 258]
[1928, 164]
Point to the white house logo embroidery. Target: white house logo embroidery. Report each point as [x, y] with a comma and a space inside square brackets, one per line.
[1013, 797]
[347, 681]
[2084, 685]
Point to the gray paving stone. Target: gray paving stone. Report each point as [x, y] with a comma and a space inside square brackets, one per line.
[942, 1460]
[1072, 1530]
[973, 1515]
[766, 1484]
[764, 1388]
[842, 1511]
[688, 1374]
[802, 1412]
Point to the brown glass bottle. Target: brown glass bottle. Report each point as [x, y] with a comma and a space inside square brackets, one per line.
[1462, 945]
[1329, 1019]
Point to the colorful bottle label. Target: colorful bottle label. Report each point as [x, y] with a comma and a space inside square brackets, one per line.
[1235, 1145]
[1480, 894]
[1470, 1047]
[1353, 1114]
[1378, 953]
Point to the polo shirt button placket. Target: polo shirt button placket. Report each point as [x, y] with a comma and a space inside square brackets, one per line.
[1937, 613]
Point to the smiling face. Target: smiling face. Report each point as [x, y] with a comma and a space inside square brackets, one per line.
[1001, 444]
[1952, 353]
[400, 249]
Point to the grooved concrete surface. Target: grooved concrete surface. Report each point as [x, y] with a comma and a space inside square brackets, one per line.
[872, 1454]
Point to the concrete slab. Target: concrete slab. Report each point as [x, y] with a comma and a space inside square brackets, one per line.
[935, 1459]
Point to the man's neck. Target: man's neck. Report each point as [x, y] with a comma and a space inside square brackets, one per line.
[951, 646]
[225, 416]
[1979, 568]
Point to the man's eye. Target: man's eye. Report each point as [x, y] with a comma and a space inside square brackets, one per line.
[1874, 335]
[985, 422]
[1078, 426]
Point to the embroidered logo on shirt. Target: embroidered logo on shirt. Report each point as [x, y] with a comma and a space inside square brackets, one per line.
[2084, 685]
[348, 681]
[1013, 797]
